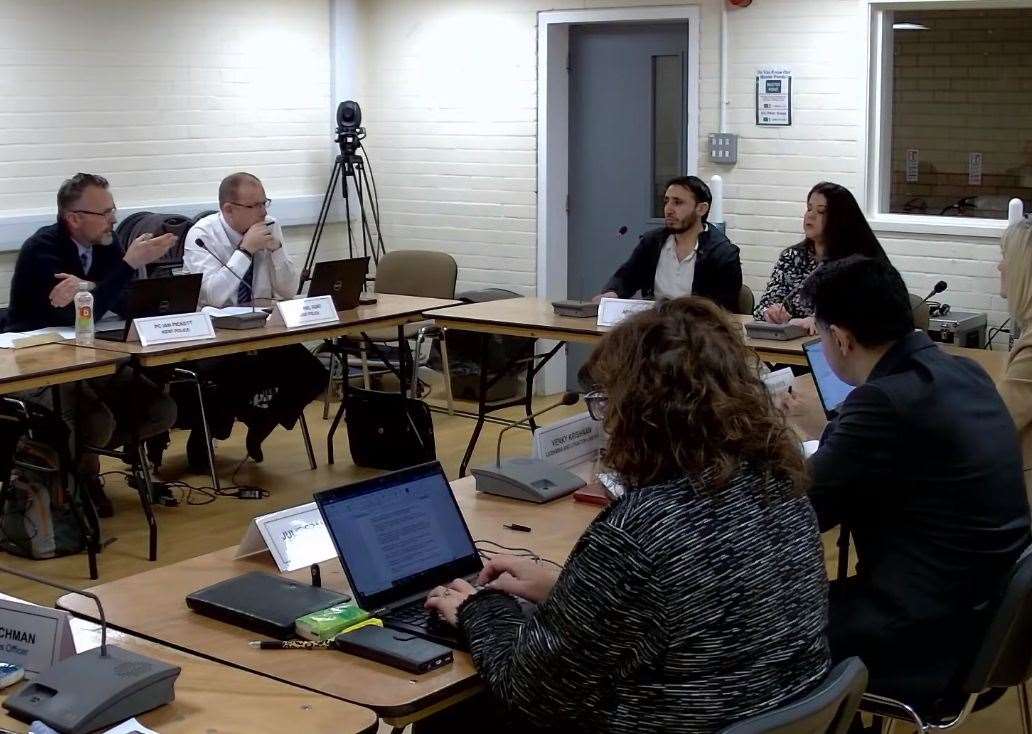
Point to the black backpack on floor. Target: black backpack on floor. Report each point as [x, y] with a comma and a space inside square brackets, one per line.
[388, 430]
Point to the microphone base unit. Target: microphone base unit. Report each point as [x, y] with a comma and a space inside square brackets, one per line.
[255, 320]
[530, 480]
[89, 691]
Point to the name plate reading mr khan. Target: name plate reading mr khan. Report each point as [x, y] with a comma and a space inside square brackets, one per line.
[181, 327]
[304, 312]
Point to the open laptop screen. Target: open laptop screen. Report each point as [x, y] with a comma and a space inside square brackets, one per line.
[831, 390]
[398, 534]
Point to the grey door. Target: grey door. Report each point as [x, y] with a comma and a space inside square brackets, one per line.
[628, 126]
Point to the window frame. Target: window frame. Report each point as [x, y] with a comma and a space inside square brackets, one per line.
[878, 165]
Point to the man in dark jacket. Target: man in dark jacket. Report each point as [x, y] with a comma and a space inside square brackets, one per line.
[685, 257]
[922, 465]
[81, 248]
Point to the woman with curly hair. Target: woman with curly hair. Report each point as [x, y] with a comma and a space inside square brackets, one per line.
[696, 599]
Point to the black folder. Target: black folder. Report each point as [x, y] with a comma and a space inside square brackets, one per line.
[262, 603]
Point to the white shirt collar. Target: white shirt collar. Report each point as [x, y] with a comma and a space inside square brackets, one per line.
[235, 238]
[670, 248]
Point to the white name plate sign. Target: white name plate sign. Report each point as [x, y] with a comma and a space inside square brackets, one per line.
[779, 381]
[569, 442]
[304, 312]
[34, 637]
[296, 537]
[182, 327]
[611, 311]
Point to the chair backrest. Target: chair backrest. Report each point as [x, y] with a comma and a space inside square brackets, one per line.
[746, 300]
[920, 312]
[422, 273]
[827, 709]
[1004, 658]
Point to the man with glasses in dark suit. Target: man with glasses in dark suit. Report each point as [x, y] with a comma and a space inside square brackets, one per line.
[81, 248]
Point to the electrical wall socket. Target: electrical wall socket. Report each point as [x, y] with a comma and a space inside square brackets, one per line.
[723, 148]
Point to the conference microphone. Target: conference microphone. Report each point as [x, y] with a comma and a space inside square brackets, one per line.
[254, 320]
[568, 398]
[94, 689]
[533, 480]
[938, 288]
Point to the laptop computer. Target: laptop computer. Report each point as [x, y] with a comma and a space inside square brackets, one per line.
[398, 536]
[156, 297]
[343, 280]
[830, 389]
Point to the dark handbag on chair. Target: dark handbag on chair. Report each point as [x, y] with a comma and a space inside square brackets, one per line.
[388, 430]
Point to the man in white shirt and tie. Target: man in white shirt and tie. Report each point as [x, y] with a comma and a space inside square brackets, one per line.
[243, 260]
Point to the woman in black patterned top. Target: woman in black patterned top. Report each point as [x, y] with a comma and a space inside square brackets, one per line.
[834, 227]
[697, 598]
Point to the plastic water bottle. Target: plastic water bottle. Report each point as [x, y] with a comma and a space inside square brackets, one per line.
[84, 316]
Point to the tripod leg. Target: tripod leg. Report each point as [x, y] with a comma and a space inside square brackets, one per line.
[320, 223]
[347, 210]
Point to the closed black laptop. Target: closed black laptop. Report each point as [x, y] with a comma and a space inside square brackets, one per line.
[156, 297]
[262, 603]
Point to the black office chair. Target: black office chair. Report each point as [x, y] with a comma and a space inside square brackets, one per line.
[1003, 660]
[828, 709]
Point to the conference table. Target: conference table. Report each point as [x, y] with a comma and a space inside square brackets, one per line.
[398, 697]
[46, 365]
[535, 318]
[388, 311]
[218, 699]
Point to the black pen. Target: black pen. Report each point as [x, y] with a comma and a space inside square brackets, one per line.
[290, 644]
[514, 526]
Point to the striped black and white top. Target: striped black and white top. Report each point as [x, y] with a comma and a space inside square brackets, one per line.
[677, 611]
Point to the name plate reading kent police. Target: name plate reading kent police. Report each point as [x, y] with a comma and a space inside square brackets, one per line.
[569, 442]
[183, 327]
[34, 637]
[296, 537]
[611, 311]
[304, 312]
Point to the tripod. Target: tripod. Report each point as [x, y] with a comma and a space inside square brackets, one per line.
[348, 165]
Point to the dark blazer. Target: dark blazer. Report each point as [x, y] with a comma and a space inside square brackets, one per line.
[923, 465]
[51, 251]
[718, 269]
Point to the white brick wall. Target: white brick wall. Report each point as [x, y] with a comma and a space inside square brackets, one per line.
[448, 92]
[162, 98]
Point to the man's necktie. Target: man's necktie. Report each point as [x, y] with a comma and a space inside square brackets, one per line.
[244, 292]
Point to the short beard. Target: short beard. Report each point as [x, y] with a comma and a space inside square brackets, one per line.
[105, 239]
[686, 224]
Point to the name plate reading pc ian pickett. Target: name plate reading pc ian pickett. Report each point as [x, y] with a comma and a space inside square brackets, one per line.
[183, 327]
[34, 637]
[304, 312]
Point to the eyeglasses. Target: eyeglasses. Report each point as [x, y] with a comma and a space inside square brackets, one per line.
[106, 213]
[260, 205]
[598, 404]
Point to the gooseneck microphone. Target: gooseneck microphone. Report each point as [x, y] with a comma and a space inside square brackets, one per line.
[254, 320]
[938, 288]
[94, 689]
[568, 398]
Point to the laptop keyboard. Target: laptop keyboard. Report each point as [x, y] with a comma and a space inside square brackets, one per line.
[415, 614]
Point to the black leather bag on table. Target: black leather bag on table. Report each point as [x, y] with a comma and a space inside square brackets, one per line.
[388, 430]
